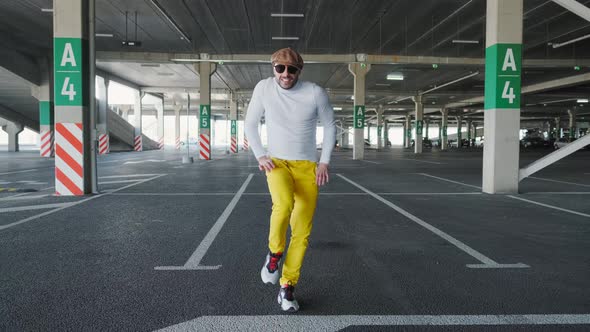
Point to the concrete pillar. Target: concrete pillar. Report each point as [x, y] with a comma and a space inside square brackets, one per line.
[344, 142]
[205, 70]
[74, 91]
[426, 127]
[137, 114]
[46, 110]
[160, 121]
[233, 117]
[246, 144]
[12, 129]
[177, 109]
[444, 124]
[103, 113]
[385, 133]
[469, 136]
[502, 96]
[379, 127]
[459, 130]
[557, 128]
[572, 124]
[419, 114]
[359, 70]
[408, 132]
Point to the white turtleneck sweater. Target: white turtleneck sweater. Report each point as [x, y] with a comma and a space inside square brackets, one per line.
[291, 117]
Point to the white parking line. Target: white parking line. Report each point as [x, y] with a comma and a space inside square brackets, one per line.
[451, 181]
[372, 162]
[174, 194]
[15, 172]
[551, 206]
[337, 323]
[486, 261]
[564, 182]
[34, 207]
[21, 197]
[3, 227]
[193, 263]
[423, 161]
[559, 193]
[119, 181]
[126, 176]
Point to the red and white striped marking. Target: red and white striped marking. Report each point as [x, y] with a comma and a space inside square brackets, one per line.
[205, 147]
[46, 143]
[69, 159]
[161, 143]
[234, 145]
[245, 144]
[103, 144]
[177, 143]
[138, 144]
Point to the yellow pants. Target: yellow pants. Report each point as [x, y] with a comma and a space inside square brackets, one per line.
[294, 195]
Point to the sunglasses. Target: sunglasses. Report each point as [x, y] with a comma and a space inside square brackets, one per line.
[290, 69]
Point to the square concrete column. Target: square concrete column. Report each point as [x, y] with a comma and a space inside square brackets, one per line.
[385, 133]
[557, 128]
[359, 70]
[103, 114]
[469, 125]
[12, 129]
[419, 113]
[233, 117]
[137, 115]
[502, 96]
[205, 70]
[572, 125]
[459, 130]
[44, 94]
[443, 130]
[246, 144]
[379, 127]
[177, 109]
[408, 132]
[73, 94]
[160, 116]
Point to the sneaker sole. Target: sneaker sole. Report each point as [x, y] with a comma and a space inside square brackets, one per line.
[265, 280]
[291, 308]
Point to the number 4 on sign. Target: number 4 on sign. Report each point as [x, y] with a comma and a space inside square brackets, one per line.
[508, 92]
[68, 89]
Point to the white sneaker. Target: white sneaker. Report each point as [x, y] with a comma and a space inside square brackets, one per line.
[270, 269]
[287, 300]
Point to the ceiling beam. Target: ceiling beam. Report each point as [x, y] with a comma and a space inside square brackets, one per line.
[14, 116]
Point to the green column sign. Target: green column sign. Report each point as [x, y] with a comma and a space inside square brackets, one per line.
[503, 70]
[45, 113]
[359, 116]
[444, 131]
[68, 71]
[205, 117]
[379, 130]
[419, 124]
[233, 128]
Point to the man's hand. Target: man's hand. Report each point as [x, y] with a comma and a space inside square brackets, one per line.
[321, 174]
[265, 164]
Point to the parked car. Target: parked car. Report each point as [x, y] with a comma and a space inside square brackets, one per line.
[533, 142]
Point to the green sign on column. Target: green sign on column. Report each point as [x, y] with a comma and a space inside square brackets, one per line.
[444, 131]
[379, 130]
[359, 116]
[572, 132]
[205, 116]
[45, 113]
[503, 70]
[234, 130]
[67, 55]
[419, 124]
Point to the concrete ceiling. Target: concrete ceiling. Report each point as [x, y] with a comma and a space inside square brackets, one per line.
[243, 29]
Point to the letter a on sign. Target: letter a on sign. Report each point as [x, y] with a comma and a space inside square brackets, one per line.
[205, 112]
[68, 56]
[509, 60]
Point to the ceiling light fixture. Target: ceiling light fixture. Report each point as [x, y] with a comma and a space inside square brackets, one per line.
[108, 35]
[395, 77]
[556, 45]
[337, 108]
[285, 15]
[464, 41]
[47, 10]
[584, 100]
[171, 21]
[155, 65]
[285, 38]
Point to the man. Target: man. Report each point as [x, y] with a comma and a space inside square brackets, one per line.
[291, 109]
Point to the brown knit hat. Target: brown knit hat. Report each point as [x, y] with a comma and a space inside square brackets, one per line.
[287, 56]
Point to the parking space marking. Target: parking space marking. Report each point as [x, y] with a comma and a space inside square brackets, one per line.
[33, 207]
[15, 172]
[193, 263]
[486, 261]
[3, 227]
[451, 181]
[558, 193]
[126, 176]
[564, 182]
[21, 197]
[372, 162]
[423, 161]
[118, 181]
[551, 206]
[174, 194]
[340, 322]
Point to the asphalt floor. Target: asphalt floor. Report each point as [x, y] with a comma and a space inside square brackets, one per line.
[401, 242]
